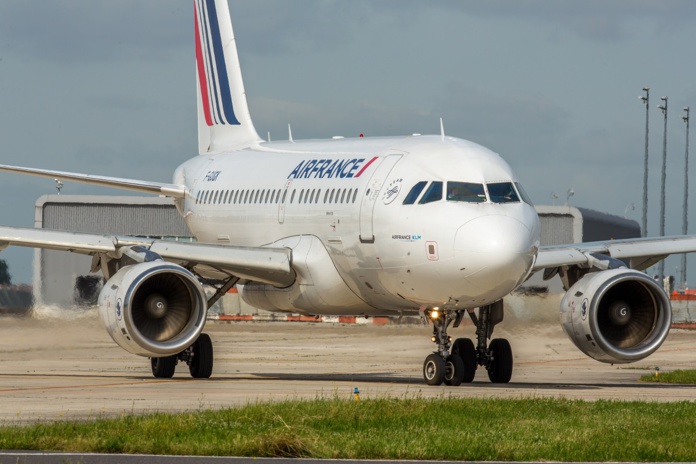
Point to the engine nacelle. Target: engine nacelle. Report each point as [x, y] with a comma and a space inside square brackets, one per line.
[153, 309]
[616, 316]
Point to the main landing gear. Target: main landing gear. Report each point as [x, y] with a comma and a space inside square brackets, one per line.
[198, 356]
[456, 363]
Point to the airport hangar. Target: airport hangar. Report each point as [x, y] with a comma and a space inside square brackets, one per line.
[62, 278]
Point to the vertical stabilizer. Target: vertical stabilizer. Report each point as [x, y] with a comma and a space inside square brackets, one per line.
[224, 122]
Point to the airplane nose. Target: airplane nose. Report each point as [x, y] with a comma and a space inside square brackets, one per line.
[494, 251]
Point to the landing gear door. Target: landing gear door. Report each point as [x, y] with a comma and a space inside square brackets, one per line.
[371, 195]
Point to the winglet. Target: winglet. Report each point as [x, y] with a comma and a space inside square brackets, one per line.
[224, 122]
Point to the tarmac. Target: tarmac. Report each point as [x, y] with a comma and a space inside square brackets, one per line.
[61, 364]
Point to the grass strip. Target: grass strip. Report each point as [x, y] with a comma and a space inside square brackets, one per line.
[433, 429]
[678, 376]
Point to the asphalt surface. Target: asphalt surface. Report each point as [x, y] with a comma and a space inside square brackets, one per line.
[58, 366]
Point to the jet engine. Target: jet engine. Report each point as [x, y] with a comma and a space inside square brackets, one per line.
[153, 309]
[616, 316]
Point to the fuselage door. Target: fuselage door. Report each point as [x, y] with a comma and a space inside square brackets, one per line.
[281, 202]
[371, 195]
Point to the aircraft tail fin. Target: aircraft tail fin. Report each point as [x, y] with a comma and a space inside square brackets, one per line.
[224, 122]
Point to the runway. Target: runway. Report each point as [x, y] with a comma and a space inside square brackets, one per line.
[55, 369]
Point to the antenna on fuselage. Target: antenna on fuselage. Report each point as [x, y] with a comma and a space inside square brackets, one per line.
[442, 130]
[290, 134]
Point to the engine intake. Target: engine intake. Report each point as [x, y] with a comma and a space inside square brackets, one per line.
[616, 316]
[153, 309]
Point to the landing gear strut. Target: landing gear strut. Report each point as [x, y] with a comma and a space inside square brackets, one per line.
[456, 363]
[198, 356]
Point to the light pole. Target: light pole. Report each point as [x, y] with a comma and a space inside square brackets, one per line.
[685, 222]
[663, 107]
[569, 194]
[646, 100]
[554, 197]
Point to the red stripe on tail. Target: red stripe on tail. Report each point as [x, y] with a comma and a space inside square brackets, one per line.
[201, 71]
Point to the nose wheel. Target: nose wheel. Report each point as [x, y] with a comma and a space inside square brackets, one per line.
[456, 363]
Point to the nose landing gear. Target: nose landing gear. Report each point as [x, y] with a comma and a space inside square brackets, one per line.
[456, 363]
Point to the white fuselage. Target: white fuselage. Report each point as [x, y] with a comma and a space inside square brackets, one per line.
[349, 195]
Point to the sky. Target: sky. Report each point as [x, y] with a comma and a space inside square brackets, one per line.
[109, 88]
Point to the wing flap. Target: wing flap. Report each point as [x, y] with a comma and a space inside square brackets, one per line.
[56, 240]
[641, 252]
[262, 264]
[270, 265]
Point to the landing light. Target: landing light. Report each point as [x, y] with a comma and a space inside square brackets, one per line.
[434, 314]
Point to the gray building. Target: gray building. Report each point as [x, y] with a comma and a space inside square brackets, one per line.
[63, 278]
[568, 224]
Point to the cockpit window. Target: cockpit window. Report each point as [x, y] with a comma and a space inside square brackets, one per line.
[503, 192]
[465, 191]
[523, 194]
[413, 194]
[434, 193]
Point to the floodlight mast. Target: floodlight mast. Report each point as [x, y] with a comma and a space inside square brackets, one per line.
[685, 222]
[663, 107]
[646, 100]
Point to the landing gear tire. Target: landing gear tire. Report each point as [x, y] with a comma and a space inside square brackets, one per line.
[500, 365]
[201, 363]
[163, 368]
[434, 369]
[454, 370]
[466, 350]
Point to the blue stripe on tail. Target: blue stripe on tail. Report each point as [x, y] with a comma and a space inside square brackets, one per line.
[221, 67]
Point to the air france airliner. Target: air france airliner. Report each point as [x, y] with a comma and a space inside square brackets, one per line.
[428, 225]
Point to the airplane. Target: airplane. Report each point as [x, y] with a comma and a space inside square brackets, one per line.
[429, 225]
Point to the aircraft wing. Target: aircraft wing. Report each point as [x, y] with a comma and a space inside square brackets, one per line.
[158, 188]
[261, 264]
[639, 253]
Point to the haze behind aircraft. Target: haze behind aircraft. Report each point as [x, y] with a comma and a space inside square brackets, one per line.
[430, 225]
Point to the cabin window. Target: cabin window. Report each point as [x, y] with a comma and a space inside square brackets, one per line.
[205, 197]
[503, 192]
[433, 193]
[326, 196]
[465, 191]
[292, 197]
[343, 195]
[302, 192]
[246, 196]
[355, 194]
[331, 196]
[414, 193]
